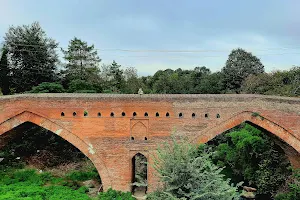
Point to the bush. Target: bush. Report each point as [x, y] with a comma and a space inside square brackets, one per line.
[250, 155]
[115, 195]
[82, 175]
[47, 88]
[83, 86]
[294, 189]
[187, 174]
[27, 184]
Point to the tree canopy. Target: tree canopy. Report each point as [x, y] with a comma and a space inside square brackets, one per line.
[32, 56]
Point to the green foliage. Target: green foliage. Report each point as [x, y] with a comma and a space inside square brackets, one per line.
[4, 72]
[82, 175]
[82, 61]
[188, 174]
[249, 154]
[82, 86]
[111, 194]
[285, 83]
[32, 57]
[27, 184]
[47, 88]
[239, 65]
[293, 188]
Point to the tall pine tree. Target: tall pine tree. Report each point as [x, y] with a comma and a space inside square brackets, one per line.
[82, 61]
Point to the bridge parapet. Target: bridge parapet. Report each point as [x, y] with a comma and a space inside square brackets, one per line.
[110, 128]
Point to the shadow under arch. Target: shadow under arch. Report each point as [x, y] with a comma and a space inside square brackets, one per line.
[252, 118]
[43, 122]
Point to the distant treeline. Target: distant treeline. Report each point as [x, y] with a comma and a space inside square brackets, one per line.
[29, 63]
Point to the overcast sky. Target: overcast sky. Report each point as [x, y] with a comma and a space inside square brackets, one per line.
[270, 29]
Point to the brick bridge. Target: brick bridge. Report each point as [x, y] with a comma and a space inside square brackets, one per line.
[111, 129]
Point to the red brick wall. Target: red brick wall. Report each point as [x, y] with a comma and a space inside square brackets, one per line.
[107, 140]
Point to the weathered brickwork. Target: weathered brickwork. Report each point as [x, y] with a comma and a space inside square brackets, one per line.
[111, 129]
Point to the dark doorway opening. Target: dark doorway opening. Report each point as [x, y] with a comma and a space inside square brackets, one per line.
[139, 175]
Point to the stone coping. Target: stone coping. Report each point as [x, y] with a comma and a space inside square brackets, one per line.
[159, 97]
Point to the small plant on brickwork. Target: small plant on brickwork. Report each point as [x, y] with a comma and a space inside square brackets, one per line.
[255, 114]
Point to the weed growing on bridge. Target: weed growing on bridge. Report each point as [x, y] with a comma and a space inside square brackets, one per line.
[255, 114]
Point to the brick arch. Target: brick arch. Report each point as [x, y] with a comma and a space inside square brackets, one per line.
[43, 122]
[256, 119]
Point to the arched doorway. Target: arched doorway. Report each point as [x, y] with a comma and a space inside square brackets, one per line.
[139, 175]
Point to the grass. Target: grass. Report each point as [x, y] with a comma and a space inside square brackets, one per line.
[28, 184]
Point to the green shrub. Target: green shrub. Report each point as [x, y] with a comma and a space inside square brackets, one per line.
[188, 174]
[26, 184]
[294, 189]
[82, 175]
[111, 194]
[250, 155]
[83, 86]
[47, 88]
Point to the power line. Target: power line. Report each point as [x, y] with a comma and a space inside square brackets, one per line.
[164, 50]
[168, 56]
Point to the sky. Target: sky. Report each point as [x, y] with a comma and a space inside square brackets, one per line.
[161, 34]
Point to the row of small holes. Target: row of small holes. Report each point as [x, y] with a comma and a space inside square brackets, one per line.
[132, 138]
[180, 115]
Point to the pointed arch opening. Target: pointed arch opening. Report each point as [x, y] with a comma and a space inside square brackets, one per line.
[252, 148]
[139, 174]
[28, 120]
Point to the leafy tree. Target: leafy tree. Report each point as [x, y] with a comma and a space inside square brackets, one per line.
[258, 84]
[82, 61]
[81, 86]
[132, 82]
[239, 65]
[4, 72]
[32, 56]
[249, 155]
[188, 175]
[198, 74]
[47, 88]
[211, 84]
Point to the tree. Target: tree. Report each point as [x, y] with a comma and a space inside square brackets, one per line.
[239, 65]
[133, 83]
[211, 84]
[250, 155]
[32, 56]
[188, 174]
[258, 84]
[83, 61]
[116, 78]
[47, 88]
[4, 72]
[81, 86]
